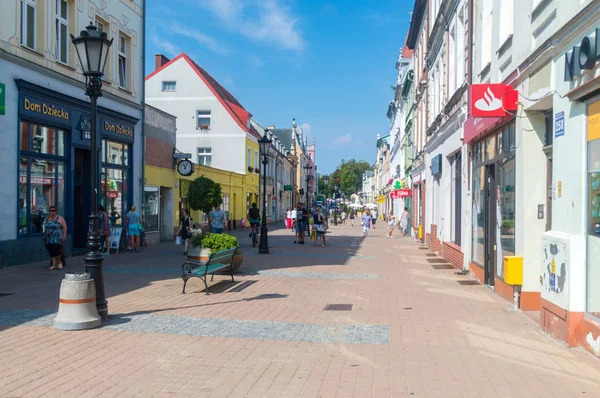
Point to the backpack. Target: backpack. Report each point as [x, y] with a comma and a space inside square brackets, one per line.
[254, 213]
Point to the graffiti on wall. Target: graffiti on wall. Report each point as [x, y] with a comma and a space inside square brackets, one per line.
[554, 267]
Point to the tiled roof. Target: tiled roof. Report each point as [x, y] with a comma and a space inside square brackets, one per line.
[229, 102]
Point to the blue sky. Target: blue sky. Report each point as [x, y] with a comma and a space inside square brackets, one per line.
[329, 64]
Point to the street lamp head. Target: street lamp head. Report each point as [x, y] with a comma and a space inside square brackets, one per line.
[92, 50]
[336, 187]
[264, 143]
[326, 180]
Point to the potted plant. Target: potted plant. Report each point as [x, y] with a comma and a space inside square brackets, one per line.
[202, 245]
[195, 250]
[508, 226]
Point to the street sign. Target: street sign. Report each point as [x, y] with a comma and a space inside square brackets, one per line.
[287, 188]
[559, 124]
[182, 155]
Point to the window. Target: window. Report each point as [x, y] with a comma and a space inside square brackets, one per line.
[256, 160]
[169, 86]
[506, 21]
[486, 34]
[28, 21]
[593, 212]
[104, 26]
[203, 120]
[101, 27]
[478, 214]
[457, 198]
[62, 31]
[115, 180]
[204, 156]
[123, 52]
[151, 208]
[249, 158]
[41, 176]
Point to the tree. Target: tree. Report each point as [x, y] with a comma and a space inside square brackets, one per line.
[348, 176]
[204, 194]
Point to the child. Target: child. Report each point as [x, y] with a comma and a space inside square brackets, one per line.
[243, 224]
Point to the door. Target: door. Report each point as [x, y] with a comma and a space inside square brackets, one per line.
[490, 224]
[81, 198]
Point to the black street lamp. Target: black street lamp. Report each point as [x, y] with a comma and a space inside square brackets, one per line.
[308, 168]
[335, 194]
[326, 182]
[92, 51]
[264, 142]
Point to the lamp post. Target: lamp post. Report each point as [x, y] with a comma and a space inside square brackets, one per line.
[307, 169]
[326, 182]
[335, 193]
[264, 142]
[92, 51]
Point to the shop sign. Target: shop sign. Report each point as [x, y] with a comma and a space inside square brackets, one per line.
[436, 165]
[112, 194]
[287, 188]
[493, 100]
[593, 121]
[117, 128]
[399, 183]
[559, 124]
[401, 193]
[36, 180]
[85, 126]
[46, 109]
[582, 57]
[2, 98]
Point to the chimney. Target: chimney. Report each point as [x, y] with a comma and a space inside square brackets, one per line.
[160, 61]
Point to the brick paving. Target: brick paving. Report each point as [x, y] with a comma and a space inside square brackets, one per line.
[412, 331]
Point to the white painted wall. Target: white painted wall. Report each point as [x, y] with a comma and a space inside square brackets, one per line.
[225, 138]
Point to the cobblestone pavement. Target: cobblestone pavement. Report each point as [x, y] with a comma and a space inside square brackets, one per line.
[411, 331]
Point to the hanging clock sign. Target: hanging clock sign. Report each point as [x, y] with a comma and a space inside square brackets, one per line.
[185, 168]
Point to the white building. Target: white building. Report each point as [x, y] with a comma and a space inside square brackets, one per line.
[46, 121]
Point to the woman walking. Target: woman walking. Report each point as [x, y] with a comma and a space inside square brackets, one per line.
[288, 218]
[352, 217]
[404, 222]
[55, 234]
[134, 223]
[320, 226]
[366, 222]
[104, 230]
[184, 230]
[391, 219]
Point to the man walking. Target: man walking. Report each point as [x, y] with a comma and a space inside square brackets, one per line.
[374, 218]
[301, 223]
[218, 219]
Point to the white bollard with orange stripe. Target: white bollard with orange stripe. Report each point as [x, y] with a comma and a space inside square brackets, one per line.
[77, 303]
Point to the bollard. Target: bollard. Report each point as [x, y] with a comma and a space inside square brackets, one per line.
[77, 303]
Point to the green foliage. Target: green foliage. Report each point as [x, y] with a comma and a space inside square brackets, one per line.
[508, 224]
[214, 242]
[349, 176]
[204, 194]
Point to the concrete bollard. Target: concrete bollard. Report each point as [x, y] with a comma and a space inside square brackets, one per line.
[77, 303]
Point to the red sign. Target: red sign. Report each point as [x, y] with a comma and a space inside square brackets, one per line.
[400, 193]
[113, 194]
[493, 100]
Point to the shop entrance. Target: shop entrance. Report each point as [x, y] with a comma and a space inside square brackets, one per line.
[81, 197]
[490, 224]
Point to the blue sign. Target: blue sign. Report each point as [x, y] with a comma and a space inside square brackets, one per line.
[559, 124]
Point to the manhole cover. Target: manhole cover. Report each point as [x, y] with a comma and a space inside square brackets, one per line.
[468, 283]
[338, 307]
[6, 294]
[442, 266]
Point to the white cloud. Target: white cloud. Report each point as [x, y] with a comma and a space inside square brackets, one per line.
[265, 21]
[256, 61]
[343, 140]
[306, 129]
[170, 49]
[201, 38]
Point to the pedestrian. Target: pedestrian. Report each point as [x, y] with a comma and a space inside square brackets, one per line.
[352, 217]
[55, 234]
[404, 222]
[134, 223]
[374, 217]
[104, 229]
[288, 219]
[218, 219]
[320, 226]
[366, 222]
[294, 219]
[184, 230]
[391, 220]
[301, 223]
[344, 218]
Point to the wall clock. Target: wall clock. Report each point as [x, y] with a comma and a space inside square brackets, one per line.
[185, 168]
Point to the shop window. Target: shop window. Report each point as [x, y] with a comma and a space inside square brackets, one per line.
[115, 194]
[203, 120]
[41, 176]
[28, 23]
[151, 208]
[62, 31]
[123, 61]
[115, 153]
[478, 214]
[506, 179]
[205, 156]
[593, 241]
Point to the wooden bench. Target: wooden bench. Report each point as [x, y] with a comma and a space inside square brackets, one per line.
[216, 262]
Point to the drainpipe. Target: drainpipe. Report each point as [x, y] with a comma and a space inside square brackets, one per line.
[470, 57]
[143, 179]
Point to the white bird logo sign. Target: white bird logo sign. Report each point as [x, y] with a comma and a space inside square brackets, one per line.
[489, 102]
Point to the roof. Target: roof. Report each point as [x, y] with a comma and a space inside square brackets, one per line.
[285, 136]
[407, 52]
[415, 23]
[227, 100]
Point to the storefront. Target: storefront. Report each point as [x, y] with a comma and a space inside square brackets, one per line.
[493, 182]
[54, 162]
[593, 210]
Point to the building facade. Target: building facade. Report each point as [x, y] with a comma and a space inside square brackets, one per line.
[46, 120]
